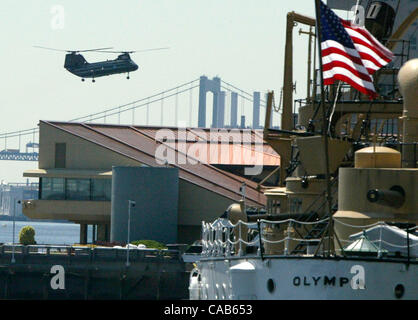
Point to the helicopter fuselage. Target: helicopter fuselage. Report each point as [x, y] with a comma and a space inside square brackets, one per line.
[77, 65]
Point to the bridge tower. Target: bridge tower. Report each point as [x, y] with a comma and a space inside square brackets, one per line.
[234, 110]
[256, 110]
[213, 86]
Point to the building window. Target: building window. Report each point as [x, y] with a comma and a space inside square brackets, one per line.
[100, 189]
[77, 189]
[295, 205]
[60, 153]
[52, 189]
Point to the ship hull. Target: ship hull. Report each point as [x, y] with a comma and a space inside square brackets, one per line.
[302, 278]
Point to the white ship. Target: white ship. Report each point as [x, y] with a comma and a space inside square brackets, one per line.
[342, 222]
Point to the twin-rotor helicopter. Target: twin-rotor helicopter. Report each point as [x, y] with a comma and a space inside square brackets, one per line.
[77, 64]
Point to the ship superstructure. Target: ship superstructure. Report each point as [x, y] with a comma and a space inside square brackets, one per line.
[342, 222]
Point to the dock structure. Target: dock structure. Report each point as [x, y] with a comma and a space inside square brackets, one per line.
[91, 273]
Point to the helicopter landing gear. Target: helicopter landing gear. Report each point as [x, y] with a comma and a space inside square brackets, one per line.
[127, 77]
[93, 80]
[82, 79]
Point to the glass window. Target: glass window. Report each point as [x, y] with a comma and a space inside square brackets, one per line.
[75, 189]
[78, 189]
[60, 151]
[101, 189]
[52, 188]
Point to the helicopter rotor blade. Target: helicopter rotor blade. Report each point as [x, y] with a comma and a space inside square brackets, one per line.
[151, 49]
[98, 49]
[75, 51]
[133, 51]
[107, 51]
[51, 49]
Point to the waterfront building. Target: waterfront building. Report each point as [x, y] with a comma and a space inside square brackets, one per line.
[76, 161]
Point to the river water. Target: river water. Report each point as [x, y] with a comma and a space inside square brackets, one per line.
[45, 232]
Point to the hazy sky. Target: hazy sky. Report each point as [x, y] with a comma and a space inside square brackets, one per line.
[242, 41]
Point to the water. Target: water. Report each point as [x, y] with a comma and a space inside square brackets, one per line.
[45, 232]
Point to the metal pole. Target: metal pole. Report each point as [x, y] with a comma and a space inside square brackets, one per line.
[239, 239]
[260, 240]
[14, 223]
[308, 85]
[324, 124]
[130, 205]
[129, 231]
[407, 239]
[309, 64]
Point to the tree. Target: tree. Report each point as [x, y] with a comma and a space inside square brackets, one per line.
[27, 235]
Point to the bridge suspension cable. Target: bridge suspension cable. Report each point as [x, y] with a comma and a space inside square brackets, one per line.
[15, 154]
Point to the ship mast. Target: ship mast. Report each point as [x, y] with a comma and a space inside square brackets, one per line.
[324, 127]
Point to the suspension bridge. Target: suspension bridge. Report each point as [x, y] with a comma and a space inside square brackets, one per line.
[231, 108]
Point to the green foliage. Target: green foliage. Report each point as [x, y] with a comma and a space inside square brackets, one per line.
[152, 244]
[27, 235]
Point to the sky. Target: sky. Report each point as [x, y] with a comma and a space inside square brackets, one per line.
[241, 41]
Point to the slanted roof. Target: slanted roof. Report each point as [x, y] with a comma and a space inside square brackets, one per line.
[221, 146]
[139, 143]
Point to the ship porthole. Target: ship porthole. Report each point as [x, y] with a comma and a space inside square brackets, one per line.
[271, 285]
[399, 291]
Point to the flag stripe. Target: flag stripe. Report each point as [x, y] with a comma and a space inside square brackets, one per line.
[363, 59]
[328, 64]
[339, 52]
[358, 85]
[363, 66]
[359, 39]
[341, 70]
[330, 46]
[350, 53]
[370, 64]
[363, 47]
[374, 42]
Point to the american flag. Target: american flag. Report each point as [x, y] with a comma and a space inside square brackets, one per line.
[350, 53]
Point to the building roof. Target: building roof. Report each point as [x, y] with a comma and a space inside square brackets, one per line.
[68, 173]
[140, 143]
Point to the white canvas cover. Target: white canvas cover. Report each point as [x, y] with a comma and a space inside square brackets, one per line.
[390, 238]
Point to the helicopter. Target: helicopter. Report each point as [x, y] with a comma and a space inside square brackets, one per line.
[77, 64]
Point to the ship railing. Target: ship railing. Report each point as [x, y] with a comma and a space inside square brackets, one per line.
[223, 238]
[405, 250]
[381, 241]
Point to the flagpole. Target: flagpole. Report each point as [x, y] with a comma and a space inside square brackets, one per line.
[324, 123]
